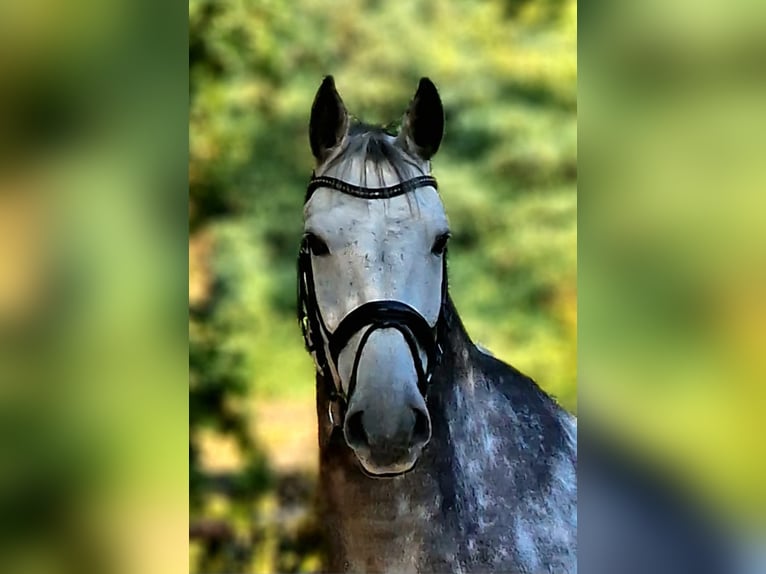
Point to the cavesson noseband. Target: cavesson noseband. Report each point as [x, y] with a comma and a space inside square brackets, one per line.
[325, 346]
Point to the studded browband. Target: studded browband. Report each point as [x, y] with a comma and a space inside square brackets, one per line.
[369, 192]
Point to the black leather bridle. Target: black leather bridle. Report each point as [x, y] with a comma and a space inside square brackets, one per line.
[325, 346]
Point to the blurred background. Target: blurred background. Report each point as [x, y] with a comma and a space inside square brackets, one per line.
[507, 169]
[672, 244]
[93, 313]
[95, 152]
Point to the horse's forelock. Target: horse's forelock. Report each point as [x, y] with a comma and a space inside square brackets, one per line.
[375, 147]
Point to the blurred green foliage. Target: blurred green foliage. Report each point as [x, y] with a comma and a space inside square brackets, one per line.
[673, 239]
[507, 170]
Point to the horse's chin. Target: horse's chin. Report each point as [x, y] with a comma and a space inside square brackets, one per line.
[372, 470]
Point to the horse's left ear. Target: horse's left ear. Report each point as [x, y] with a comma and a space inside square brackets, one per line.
[423, 124]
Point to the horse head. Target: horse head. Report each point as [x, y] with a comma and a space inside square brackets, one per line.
[372, 274]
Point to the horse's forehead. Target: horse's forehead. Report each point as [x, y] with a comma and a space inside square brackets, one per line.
[330, 210]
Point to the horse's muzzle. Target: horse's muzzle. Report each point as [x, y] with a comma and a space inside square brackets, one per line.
[386, 444]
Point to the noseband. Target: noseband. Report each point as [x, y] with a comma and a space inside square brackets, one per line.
[325, 345]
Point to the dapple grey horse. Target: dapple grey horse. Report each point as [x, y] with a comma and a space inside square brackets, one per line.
[434, 455]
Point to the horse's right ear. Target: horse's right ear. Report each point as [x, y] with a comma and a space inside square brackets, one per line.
[329, 121]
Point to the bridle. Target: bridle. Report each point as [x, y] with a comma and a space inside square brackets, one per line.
[325, 346]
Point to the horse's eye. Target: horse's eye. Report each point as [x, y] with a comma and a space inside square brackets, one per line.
[440, 244]
[316, 245]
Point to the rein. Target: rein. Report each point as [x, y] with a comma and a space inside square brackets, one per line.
[325, 346]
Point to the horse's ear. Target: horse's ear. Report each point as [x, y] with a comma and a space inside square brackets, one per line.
[329, 120]
[423, 124]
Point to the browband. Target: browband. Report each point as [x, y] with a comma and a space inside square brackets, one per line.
[369, 192]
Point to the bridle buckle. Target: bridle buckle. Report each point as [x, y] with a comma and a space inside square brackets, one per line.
[334, 413]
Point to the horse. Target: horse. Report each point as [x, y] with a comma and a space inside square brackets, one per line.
[435, 456]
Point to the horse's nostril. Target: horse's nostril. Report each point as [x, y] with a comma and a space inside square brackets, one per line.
[356, 436]
[421, 433]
